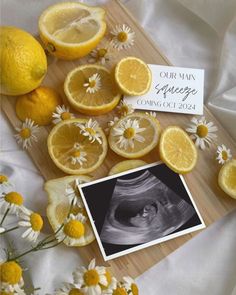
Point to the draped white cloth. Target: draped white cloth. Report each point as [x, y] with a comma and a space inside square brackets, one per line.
[199, 34]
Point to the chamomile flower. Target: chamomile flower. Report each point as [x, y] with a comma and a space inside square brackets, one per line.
[101, 54]
[111, 123]
[125, 109]
[78, 156]
[202, 132]
[123, 37]
[11, 278]
[12, 201]
[127, 132]
[130, 285]
[89, 129]
[62, 113]
[223, 154]
[152, 114]
[5, 185]
[116, 288]
[33, 221]
[72, 193]
[73, 229]
[91, 279]
[69, 289]
[27, 133]
[93, 84]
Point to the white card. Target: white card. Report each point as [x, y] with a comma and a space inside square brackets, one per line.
[173, 89]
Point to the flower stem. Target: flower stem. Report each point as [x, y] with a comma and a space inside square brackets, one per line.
[10, 229]
[5, 215]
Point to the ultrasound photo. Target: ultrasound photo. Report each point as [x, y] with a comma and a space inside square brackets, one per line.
[139, 208]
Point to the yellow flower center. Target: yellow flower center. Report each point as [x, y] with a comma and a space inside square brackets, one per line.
[75, 291]
[92, 84]
[6, 293]
[122, 36]
[3, 178]
[90, 130]
[108, 277]
[124, 109]
[76, 154]
[224, 155]
[10, 272]
[129, 133]
[119, 291]
[65, 116]
[14, 198]
[25, 133]
[134, 289]
[202, 131]
[91, 277]
[36, 221]
[74, 229]
[101, 52]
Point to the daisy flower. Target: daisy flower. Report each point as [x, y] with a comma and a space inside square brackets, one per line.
[123, 37]
[93, 84]
[62, 113]
[27, 133]
[12, 201]
[127, 132]
[223, 154]
[130, 285]
[89, 129]
[11, 278]
[111, 123]
[78, 156]
[152, 114]
[125, 109]
[115, 288]
[69, 289]
[90, 279]
[72, 193]
[5, 185]
[33, 221]
[73, 229]
[101, 55]
[202, 132]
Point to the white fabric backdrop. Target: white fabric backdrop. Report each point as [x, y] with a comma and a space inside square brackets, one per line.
[197, 34]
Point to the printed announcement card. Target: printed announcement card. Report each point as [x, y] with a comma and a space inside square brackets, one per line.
[173, 89]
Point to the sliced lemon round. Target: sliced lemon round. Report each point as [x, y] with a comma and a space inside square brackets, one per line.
[59, 205]
[126, 165]
[227, 178]
[134, 136]
[133, 76]
[77, 146]
[71, 30]
[177, 150]
[91, 90]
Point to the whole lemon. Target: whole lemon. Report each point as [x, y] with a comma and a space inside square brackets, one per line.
[23, 63]
[38, 105]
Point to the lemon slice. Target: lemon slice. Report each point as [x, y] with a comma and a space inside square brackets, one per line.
[71, 30]
[126, 165]
[59, 205]
[177, 150]
[134, 136]
[73, 152]
[133, 76]
[227, 178]
[103, 100]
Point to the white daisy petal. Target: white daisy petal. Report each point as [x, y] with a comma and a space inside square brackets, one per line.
[27, 133]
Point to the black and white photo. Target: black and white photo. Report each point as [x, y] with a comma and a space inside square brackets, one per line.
[139, 208]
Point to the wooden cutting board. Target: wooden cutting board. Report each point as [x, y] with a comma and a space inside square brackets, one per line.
[212, 202]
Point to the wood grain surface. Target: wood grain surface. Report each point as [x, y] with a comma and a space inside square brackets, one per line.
[212, 202]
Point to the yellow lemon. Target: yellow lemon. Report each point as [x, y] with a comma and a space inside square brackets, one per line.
[91, 90]
[59, 204]
[126, 165]
[177, 150]
[23, 62]
[133, 76]
[227, 178]
[38, 105]
[71, 30]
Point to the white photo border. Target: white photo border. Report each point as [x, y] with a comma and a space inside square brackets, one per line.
[148, 244]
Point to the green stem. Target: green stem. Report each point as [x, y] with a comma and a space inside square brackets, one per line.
[8, 230]
[5, 215]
